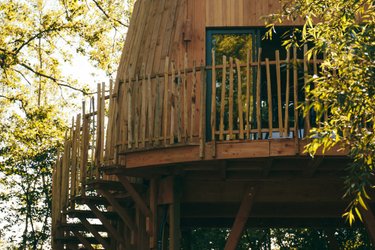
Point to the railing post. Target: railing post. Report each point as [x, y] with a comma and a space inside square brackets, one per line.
[202, 120]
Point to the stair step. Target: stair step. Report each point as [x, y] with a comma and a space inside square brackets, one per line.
[75, 240]
[81, 227]
[90, 214]
[98, 200]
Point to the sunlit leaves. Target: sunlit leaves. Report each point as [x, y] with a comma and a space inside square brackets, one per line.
[343, 32]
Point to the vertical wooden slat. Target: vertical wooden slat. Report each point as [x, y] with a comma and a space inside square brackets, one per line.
[185, 132]
[130, 112]
[165, 105]
[230, 119]
[259, 121]
[202, 111]
[93, 149]
[158, 110]
[248, 61]
[213, 103]
[287, 93]
[85, 147]
[102, 106]
[279, 99]
[193, 100]
[173, 104]
[150, 110]
[222, 99]
[98, 130]
[305, 79]
[239, 100]
[144, 90]
[269, 97]
[178, 107]
[136, 97]
[295, 92]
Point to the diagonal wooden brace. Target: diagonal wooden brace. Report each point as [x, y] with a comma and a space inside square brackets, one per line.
[139, 201]
[83, 240]
[241, 219]
[96, 234]
[107, 224]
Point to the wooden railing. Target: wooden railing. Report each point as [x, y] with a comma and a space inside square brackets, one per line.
[235, 100]
[83, 153]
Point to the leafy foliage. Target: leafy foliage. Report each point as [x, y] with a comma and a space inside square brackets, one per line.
[38, 39]
[344, 32]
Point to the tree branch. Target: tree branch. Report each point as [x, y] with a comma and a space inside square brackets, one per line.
[106, 14]
[57, 81]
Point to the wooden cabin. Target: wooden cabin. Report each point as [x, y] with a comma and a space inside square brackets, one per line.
[199, 129]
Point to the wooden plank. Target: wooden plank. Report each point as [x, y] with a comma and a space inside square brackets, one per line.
[158, 110]
[124, 215]
[82, 239]
[259, 120]
[239, 100]
[193, 102]
[287, 93]
[202, 111]
[129, 92]
[178, 106]
[144, 94]
[165, 105]
[222, 99]
[295, 92]
[185, 86]
[240, 220]
[94, 232]
[306, 83]
[150, 109]
[173, 104]
[136, 101]
[107, 224]
[279, 97]
[269, 97]
[102, 114]
[135, 195]
[85, 148]
[248, 89]
[231, 92]
[213, 102]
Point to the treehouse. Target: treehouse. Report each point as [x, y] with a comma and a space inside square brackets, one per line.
[199, 129]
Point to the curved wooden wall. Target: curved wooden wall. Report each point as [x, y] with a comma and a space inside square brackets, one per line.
[161, 28]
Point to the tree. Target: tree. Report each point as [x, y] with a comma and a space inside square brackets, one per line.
[37, 38]
[343, 31]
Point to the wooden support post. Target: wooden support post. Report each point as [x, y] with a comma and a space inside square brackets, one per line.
[213, 104]
[202, 111]
[369, 221]
[153, 224]
[175, 217]
[241, 219]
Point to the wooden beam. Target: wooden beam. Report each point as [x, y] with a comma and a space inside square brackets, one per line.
[241, 219]
[119, 209]
[267, 167]
[369, 221]
[107, 224]
[175, 217]
[83, 240]
[153, 224]
[94, 232]
[135, 195]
